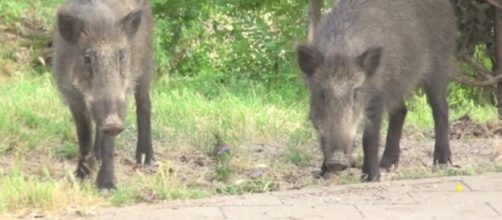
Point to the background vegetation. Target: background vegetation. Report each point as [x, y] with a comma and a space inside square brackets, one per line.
[225, 68]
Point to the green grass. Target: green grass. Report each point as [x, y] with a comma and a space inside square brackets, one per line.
[34, 116]
[12, 11]
[349, 179]
[298, 157]
[419, 173]
[420, 114]
[498, 168]
[20, 191]
[35, 120]
[260, 185]
[185, 115]
[163, 185]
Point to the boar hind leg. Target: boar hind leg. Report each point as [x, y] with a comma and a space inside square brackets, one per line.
[82, 121]
[144, 149]
[396, 121]
[435, 89]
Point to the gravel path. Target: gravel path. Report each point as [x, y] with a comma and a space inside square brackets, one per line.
[473, 197]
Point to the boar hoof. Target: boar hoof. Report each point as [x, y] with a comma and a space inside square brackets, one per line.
[105, 181]
[106, 185]
[370, 178]
[325, 173]
[84, 167]
[151, 167]
[82, 172]
[145, 160]
[387, 163]
[372, 175]
[106, 192]
[146, 163]
[442, 158]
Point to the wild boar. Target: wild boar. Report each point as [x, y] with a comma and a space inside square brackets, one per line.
[365, 58]
[102, 54]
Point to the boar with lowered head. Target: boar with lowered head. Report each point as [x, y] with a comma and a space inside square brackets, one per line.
[103, 53]
[365, 58]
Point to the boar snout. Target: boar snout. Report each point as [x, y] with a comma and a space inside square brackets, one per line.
[336, 162]
[113, 125]
[110, 115]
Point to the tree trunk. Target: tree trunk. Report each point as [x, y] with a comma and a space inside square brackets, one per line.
[314, 17]
[498, 56]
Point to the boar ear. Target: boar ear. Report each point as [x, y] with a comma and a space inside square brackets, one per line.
[309, 59]
[370, 60]
[130, 23]
[70, 27]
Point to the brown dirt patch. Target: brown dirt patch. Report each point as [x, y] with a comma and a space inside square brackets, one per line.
[465, 127]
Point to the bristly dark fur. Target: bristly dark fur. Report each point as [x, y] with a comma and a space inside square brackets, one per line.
[365, 58]
[103, 55]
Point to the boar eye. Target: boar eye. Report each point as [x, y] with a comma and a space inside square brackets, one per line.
[121, 56]
[357, 93]
[88, 65]
[87, 60]
[322, 95]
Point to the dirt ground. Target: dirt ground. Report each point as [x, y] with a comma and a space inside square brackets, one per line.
[476, 149]
[473, 197]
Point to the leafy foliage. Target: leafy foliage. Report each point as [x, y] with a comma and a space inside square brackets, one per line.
[475, 22]
[229, 41]
[475, 39]
[233, 42]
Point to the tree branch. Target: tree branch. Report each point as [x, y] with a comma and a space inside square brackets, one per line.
[468, 82]
[495, 3]
[478, 67]
[314, 17]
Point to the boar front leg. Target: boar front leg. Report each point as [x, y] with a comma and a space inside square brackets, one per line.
[82, 122]
[371, 139]
[394, 132]
[106, 174]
